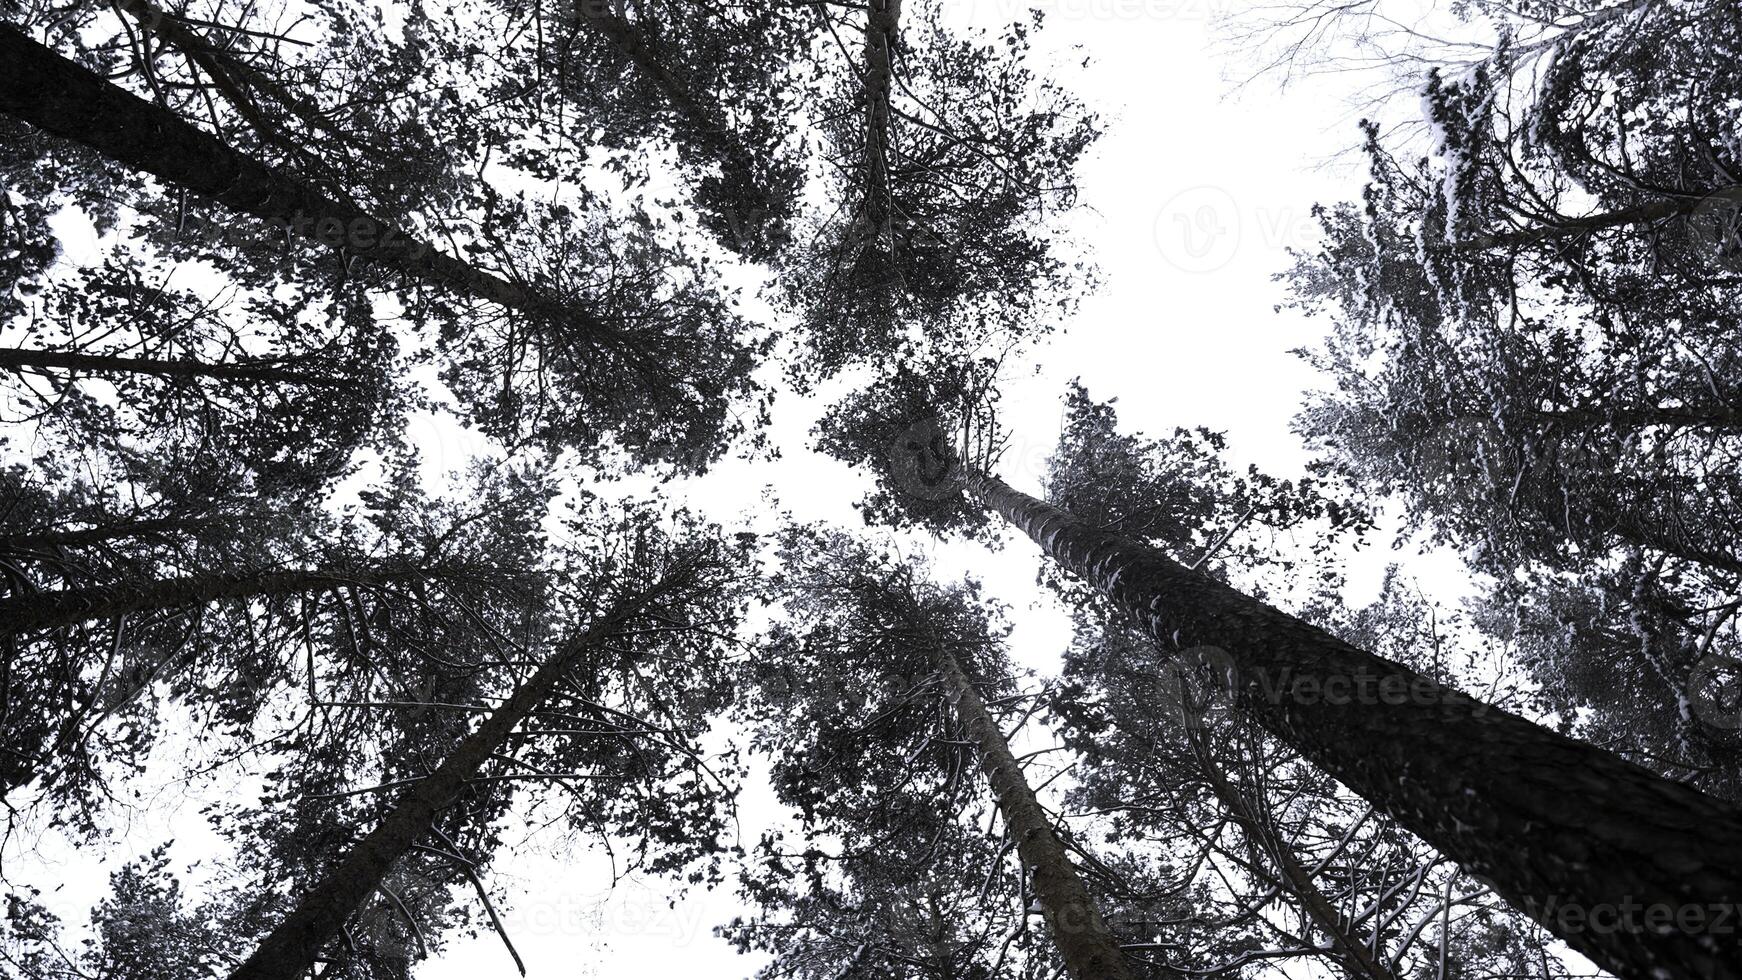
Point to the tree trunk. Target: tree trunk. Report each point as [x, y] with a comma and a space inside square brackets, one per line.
[882, 21]
[60, 97]
[1088, 949]
[20, 359]
[1591, 846]
[290, 950]
[68, 607]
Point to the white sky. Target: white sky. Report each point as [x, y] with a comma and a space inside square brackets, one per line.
[1189, 201]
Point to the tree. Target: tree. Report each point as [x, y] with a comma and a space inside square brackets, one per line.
[658, 70]
[679, 580]
[146, 927]
[1285, 863]
[1263, 857]
[945, 156]
[1304, 687]
[590, 334]
[1529, 347]
[88, 664]
[865, 620]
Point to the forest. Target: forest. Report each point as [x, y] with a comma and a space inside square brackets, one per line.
[398, 402]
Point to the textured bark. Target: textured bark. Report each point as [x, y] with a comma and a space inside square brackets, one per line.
[289, 951]
[16, 359]
[67, 100]
[1082, 938]
[882, 22]
[68, 607]
[1568, 833]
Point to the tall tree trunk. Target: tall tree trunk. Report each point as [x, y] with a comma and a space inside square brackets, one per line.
[60, 97]
[1575, 837]
[1088, 948]
[882, 23]
[289, 951]
[20, 359]
[68, 607]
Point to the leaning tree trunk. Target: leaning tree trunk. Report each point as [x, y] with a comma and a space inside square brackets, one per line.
[1593, 847]
[290, 950]
[1087, 947]
[60, 97]
[20, 359]
[68, 607]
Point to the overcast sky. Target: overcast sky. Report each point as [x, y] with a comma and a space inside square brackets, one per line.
[1189, 203]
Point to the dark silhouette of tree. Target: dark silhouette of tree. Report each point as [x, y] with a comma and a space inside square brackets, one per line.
[1514, 833]
[685, 583]
[876, 673]
[619, 328]
[1531, 348]
[944, 157]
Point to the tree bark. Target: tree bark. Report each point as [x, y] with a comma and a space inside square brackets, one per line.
[67, 100]
[1575, 837]
[68, 607]
[19, 359]
[290, 950]
[882, 22]
[1083, 940]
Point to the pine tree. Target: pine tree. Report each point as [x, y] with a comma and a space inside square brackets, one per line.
[685, 581]
[877, 670]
